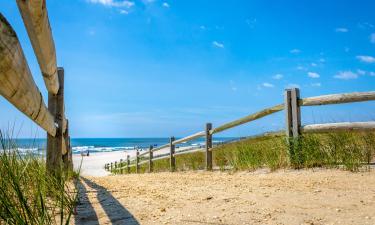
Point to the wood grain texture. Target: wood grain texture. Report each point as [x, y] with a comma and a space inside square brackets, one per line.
[150, 162]
[190, 137]
[338, 98]
[332, 127]
[161, 147]
[172, 159]
[56, 146]
[67, 156]
[251, 117]
[128, 163]
[208, 146]
[16, 82]
[288, 113]
[296, 112]
[35, 17]
[137, 161]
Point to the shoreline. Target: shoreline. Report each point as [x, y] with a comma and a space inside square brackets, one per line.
[93, 165]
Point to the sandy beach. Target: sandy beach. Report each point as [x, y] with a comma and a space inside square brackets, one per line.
[289, 197]
[93, 165]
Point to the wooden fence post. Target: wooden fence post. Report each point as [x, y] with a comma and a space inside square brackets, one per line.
[137, 162]
[55, 144]
[111, 167]
[288, 113]
[208, 146]
[150, 162]
[293, 124]
[115, 166]
[67, 157]
[128, 164]
[121, 167]
[296, 112]
[172, 158]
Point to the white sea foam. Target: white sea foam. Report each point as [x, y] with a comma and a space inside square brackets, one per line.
[79, 149]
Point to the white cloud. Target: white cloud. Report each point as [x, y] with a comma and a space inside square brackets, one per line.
[372, 74]
[316, 84]
[322, 60]
[295, 51]
[123, 11]
[301, 68]
[202, 27]
[233, 86]
[277, 76]
[372, 38]
[341, 30]
[361, 72]
[346, 75]
[251, 22]
[314, 64]
[268, 85]
[366, 58]
[166, 5]
[313, 75]
[365, 25]
[113, 3]
[218, 44]
[293, 86]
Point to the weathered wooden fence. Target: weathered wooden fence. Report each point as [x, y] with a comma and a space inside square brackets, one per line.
[293, 130]
[18, 86]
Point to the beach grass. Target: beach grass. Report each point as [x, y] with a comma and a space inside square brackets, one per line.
[28, 193]
[352, 151]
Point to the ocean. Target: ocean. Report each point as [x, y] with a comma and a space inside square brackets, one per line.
[95, 145]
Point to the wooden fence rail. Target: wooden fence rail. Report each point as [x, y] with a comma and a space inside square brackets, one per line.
[35, 17]
[16, 82]
[291, 106]
[18, 87]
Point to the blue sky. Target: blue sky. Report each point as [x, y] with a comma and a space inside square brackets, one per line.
[151, 68]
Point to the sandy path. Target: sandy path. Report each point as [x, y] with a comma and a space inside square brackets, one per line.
[284, 197]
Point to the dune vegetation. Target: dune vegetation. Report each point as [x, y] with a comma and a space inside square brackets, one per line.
[347, 150]
[28, 193]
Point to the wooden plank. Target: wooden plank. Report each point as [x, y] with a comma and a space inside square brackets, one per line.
[338, 98]
[35, 17]
[128, 164]
[208, 146]
[190, 137]
[296, 112]
[16, 82]
[150, 162]
[143, 153]
[160, 147]
[344, 126]
[67, 156]
[172, 159]
[288, 113]
[137, 161]
[121, 166]
[251, 117]
[55, 145]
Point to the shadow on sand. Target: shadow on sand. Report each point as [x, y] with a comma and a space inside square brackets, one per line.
[116, 213]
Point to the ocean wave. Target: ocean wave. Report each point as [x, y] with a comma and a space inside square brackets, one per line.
[79, 149]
